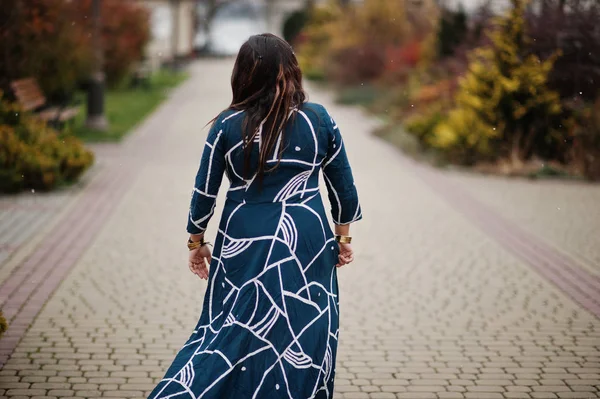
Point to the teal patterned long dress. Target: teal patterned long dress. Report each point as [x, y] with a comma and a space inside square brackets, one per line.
[270, 319]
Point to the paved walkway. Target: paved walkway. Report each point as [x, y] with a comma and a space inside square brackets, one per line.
[565, 214]
[451, 296]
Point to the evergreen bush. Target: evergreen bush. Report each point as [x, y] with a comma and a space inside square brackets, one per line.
[504, 108]
[294, 24]
[452, 31]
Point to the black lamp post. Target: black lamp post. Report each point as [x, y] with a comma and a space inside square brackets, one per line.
[95, 99]
[175, 5]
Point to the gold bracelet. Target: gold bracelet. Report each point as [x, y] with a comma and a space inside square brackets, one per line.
[195, 244]
[343, 239]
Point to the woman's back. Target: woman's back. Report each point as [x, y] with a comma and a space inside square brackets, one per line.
[270, 319]
[293, 178]
[312, 142]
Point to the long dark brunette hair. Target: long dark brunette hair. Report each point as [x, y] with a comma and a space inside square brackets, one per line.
[267, 85]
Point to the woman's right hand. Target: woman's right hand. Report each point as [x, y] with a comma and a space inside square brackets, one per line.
[199, 258]
[346, 255]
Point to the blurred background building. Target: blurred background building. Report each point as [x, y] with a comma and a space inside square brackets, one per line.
[472, 5]
[181, 28]
[173, 28]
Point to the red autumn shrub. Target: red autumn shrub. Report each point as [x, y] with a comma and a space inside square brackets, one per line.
[400, 60]
[44, 39]
[407, 55]
[125, 33]
[50, 40]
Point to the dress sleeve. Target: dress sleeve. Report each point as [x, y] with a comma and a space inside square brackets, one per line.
[345, 207]
[208, 180]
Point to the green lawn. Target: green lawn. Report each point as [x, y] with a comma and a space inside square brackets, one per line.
[125, 108]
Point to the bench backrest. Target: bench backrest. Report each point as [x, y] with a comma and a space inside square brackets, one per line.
[28, 93]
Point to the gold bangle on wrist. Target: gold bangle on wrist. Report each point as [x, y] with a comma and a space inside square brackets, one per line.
[195, 244]
[343, 239]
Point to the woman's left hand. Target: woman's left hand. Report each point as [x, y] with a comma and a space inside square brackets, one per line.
[199, 259]
[346, 255]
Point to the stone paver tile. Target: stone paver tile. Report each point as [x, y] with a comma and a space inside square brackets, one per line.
[438, 382]
[370, 388]
[484, 381]
[486, 388]
[462, 382]
[551, 388]
[357, 395]
[379, 395]
[390, 381]
[347, 388]
[25, 392]
[123, 394]
[516, 395]
[527, 382]
[88, 394]
[63, 393]
[585, 388]
[15, 385]
[394, 388]
[518, 388]
[586, 381]
[450, 395]
[425, 388]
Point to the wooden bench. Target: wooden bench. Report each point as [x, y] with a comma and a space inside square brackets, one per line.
[30, 97]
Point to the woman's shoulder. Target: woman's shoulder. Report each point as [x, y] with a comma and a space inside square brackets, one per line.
[225, 123]
[316, 112]
[229, 115]
[316, 108]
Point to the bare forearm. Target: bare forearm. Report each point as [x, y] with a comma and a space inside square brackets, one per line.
[342, 230]
[196, 237]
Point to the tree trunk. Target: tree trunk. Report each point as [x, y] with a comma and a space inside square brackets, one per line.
[206, 22]
[561, 8]
[212, 9]
[269, 13]
[174, 32]
[528, 145]
[96, 118]
[516, 159]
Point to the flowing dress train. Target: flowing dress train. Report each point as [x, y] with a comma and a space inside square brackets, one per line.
[269, 322]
